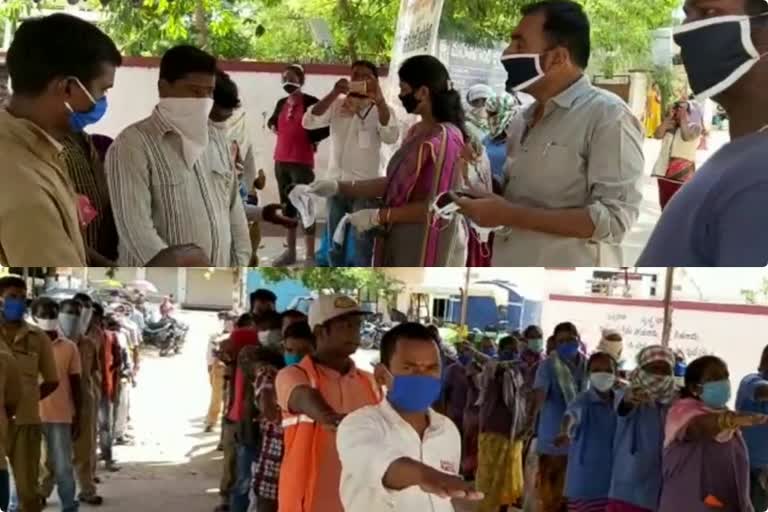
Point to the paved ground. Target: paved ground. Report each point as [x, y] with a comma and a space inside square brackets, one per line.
[272, 245]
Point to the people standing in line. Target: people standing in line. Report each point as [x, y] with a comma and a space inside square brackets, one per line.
[127, 379]
[10, 396]
[588, 429]
[294, 154]
[407, 233]
[89, 347]
[752, 398]
[262, 301]
[60, 411]
[706, 464]
[292, 316]
[716, 219]
[314, 396]
[360, 122]
[216, 370]
[171, 177]
[504, 398]
[109, 366]
[680, 136]
[639, 439]
[269, 452]
[400, 454]
[501, 109]
[456, 385]
[298, 342]
[33, 352]
[559, 379]
[61, 68]
[576, 154]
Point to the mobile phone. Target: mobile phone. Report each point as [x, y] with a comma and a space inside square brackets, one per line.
[358, 88]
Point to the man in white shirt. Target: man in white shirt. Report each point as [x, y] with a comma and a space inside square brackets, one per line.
[401, 454]
[360, 121]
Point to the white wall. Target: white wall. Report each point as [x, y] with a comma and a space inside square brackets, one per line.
[135, 95]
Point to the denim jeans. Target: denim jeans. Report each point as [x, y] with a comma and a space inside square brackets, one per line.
[758, 493]
[58, 443]
[5, 489]
[239, 498]
[339, 206]
[106, 428]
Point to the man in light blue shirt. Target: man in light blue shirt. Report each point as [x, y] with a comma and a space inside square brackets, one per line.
[752, 397]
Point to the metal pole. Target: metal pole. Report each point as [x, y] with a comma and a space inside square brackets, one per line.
[465, 297]
[666, 333]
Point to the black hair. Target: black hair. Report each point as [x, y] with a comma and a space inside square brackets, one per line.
[293, 313]
[298, 70]
[506, 341]
[83, 298]
[181, 61]
[410, 330]
[567, 25]
[694, 373]
[367, 64]
[225, 95]
[262, 295]
[764, 359]
[58, 46]
[246, 320]
[530, 330]
[566, 327]
[427, 71]
[43, 303]
[300, 331]
[269, 356]
[602, 355]
[98, 310]
[71, 302]
[12, 282]
[755, 7]
[112, 324]
[272, 319]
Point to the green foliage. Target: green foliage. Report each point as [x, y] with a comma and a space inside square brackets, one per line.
[758, 296]
[337, 280]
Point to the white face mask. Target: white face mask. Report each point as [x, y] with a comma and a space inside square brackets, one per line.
[48, 325]
[189, 118]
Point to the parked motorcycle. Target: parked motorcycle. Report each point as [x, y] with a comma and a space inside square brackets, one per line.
[168, 335]
[372, 332]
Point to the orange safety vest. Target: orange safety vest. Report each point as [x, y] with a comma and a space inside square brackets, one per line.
[305, 443]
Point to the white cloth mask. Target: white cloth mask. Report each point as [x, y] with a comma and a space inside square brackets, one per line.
[189, 118]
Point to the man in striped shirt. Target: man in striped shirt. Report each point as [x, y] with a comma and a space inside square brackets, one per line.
[171, 176]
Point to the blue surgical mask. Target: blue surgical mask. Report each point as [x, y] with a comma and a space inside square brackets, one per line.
[414, 393]
[536, 345]
[507, 356]
[680, 369]
[464, 359]
[568, 350]
[14, 309]
[292, 359]
[79, 120]
[716, 394]
[490, 352]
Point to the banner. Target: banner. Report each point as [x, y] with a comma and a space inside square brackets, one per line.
[417, 30]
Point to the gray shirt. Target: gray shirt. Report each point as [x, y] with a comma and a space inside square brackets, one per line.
[585, 152]
[159, 201]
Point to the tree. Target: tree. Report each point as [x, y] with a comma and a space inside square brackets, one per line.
[758, 296]
[371, 282]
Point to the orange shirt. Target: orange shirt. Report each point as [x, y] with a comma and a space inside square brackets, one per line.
[344, 394]
[59, 407]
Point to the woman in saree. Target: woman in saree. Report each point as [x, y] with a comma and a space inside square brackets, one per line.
[652, 110]
[706, 466]
[425, 166]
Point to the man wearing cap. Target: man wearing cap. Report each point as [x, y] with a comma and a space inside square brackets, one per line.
[314, 396]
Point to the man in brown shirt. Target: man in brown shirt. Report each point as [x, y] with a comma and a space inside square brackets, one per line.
[61, 68]
[33, 352]
[10, 394]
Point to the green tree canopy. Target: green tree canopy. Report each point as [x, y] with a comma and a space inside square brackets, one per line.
[374, 282]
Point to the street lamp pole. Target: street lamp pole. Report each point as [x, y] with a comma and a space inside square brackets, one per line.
[666, 333]
[465, 297]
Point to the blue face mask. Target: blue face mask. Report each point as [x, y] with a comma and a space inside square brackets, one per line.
[464, 359]
[292, 359]
[507, 356]
[716, 394]
[79, 120]
[568, 350]
[414, 393]
[680, 369]
[490, 352]
[14, 309]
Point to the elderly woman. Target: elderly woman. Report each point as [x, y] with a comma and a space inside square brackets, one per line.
[424, 167]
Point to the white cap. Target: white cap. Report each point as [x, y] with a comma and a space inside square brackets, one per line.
[478, 92]
[328, 307]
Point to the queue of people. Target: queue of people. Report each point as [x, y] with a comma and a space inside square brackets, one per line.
[67, 371]
[180, 187]
[522, 423]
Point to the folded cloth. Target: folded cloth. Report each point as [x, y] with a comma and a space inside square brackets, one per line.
[341, 230]
[305, 203]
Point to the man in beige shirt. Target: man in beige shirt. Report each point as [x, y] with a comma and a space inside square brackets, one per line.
[171, 176]
[61, 68]
[575, 158]
[33, 352]
[10, 394]
[60, 410]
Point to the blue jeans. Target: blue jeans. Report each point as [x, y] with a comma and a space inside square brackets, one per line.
[362, 252]
[239, 497]
[58, 443]
[5, 489]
